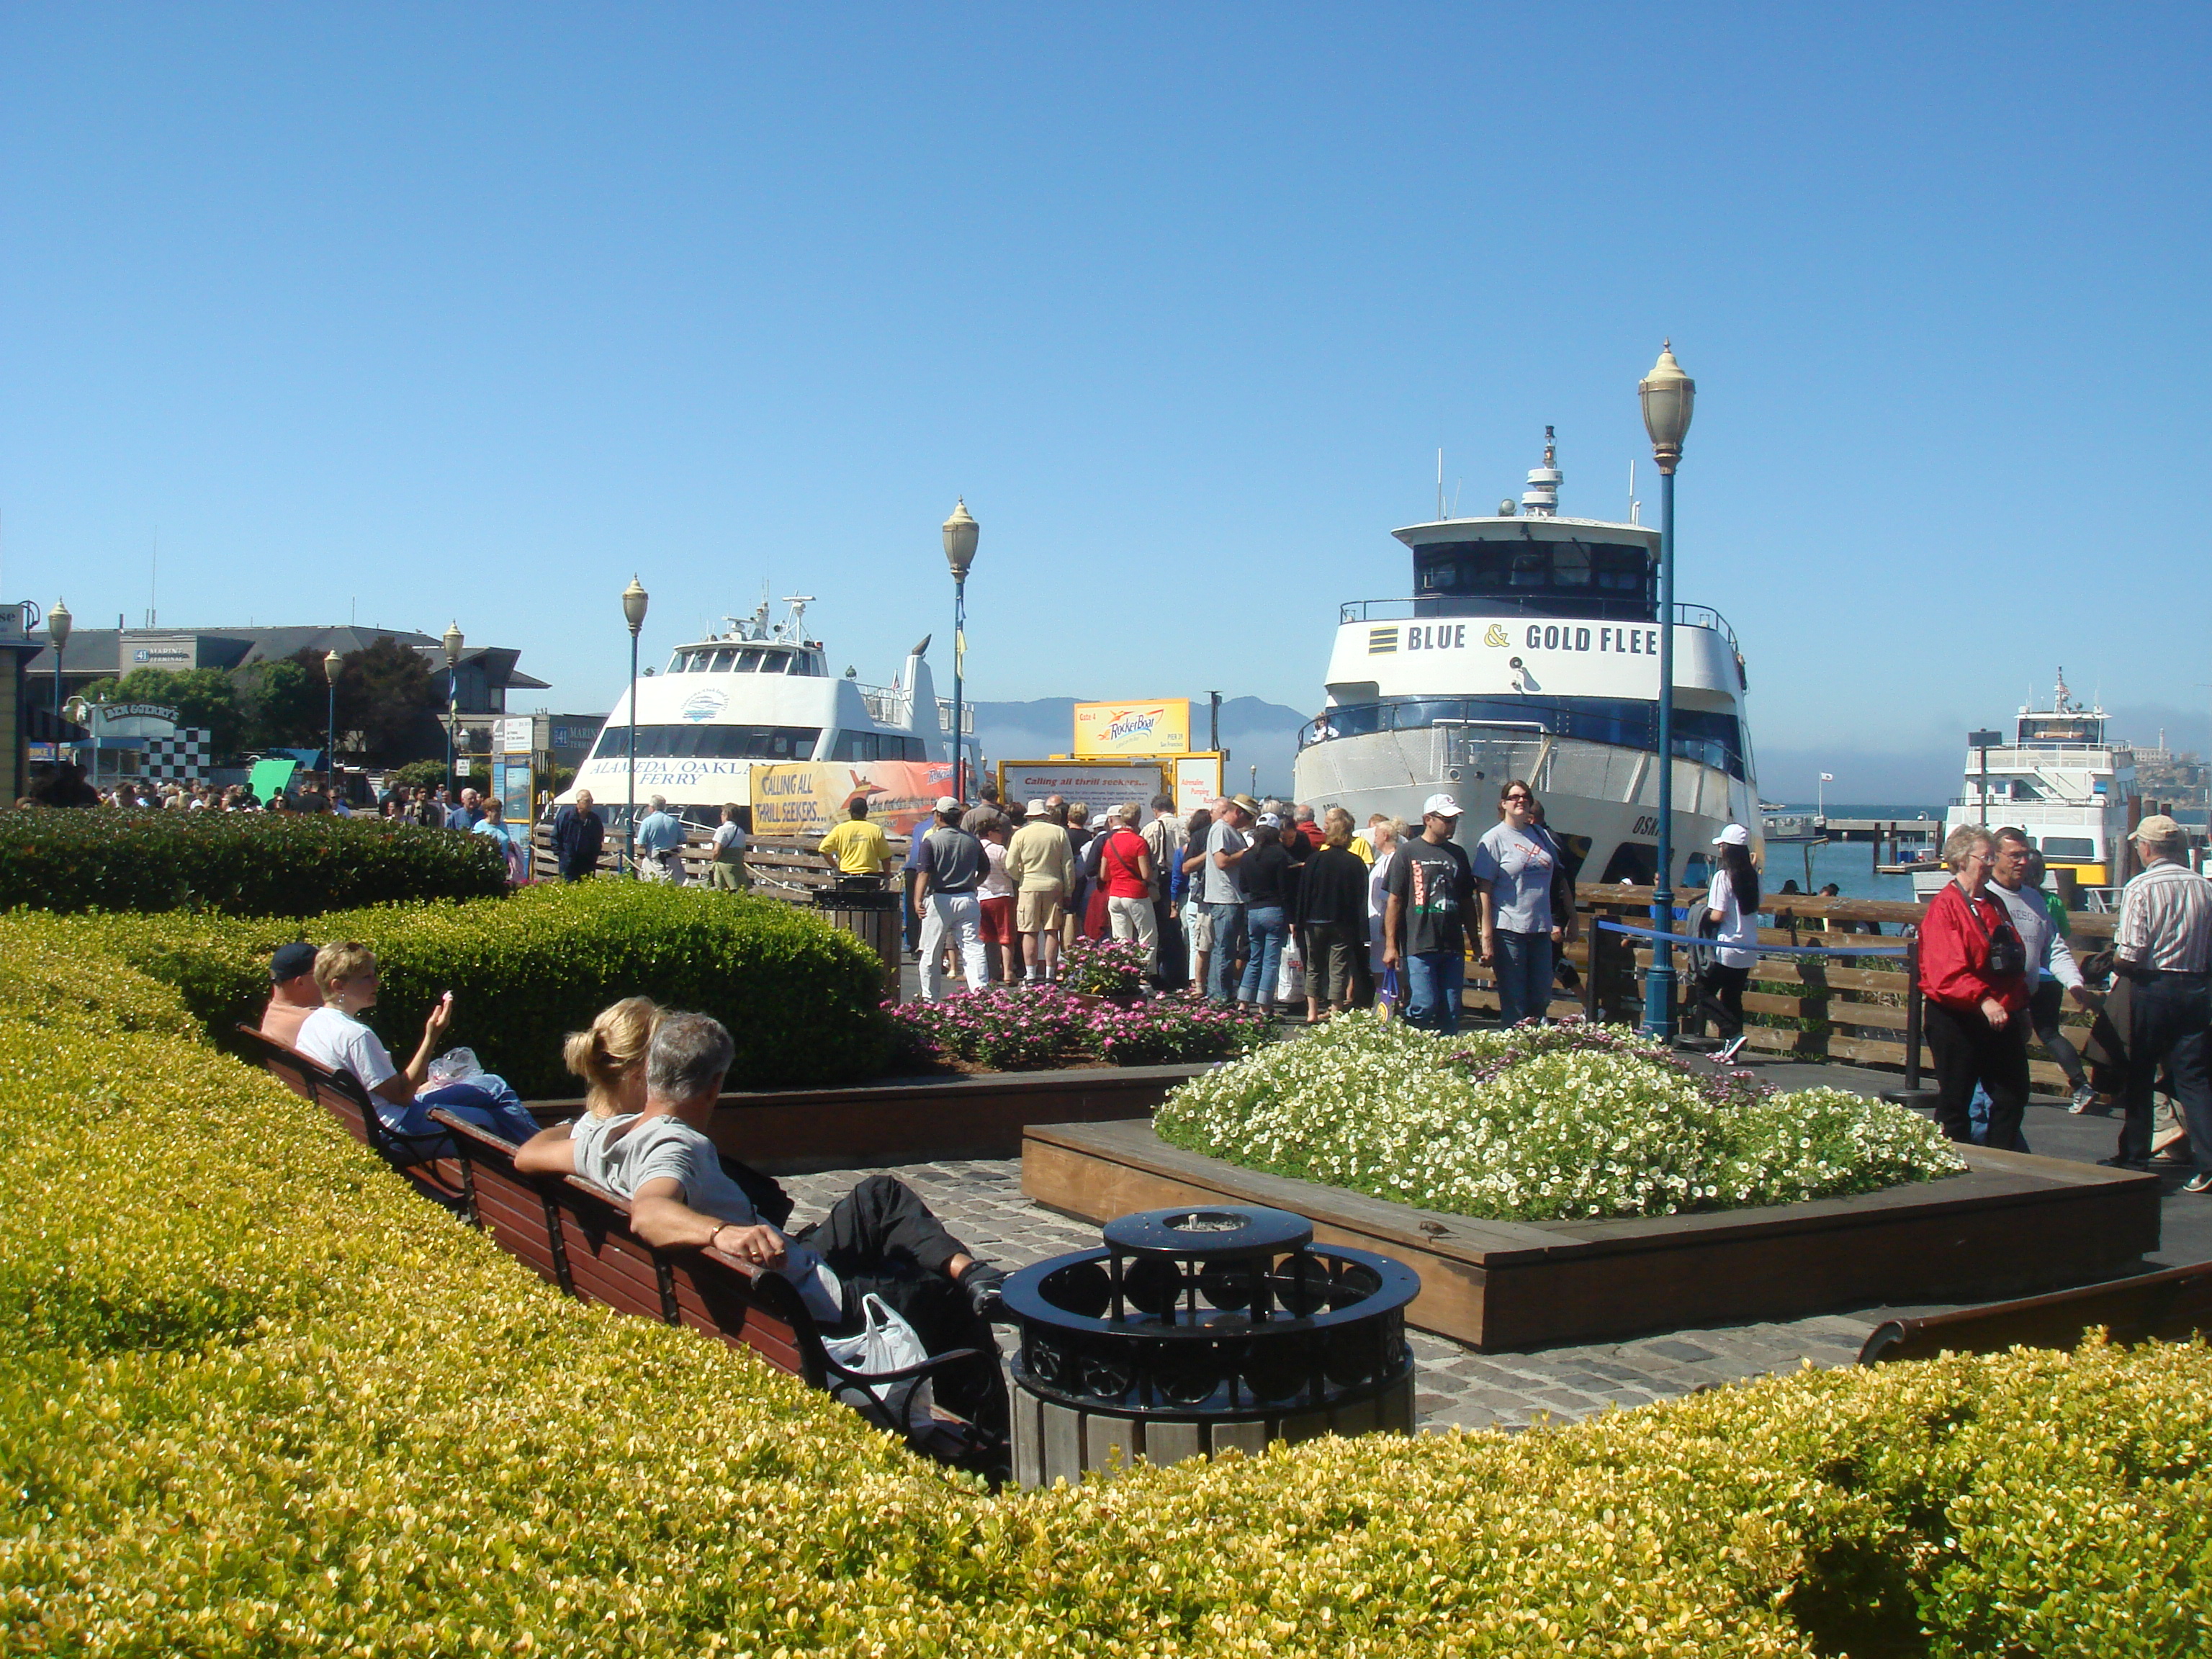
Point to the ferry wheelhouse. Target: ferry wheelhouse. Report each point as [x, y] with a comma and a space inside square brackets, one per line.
[2063, 780]
[760, 694]
[1530, 649]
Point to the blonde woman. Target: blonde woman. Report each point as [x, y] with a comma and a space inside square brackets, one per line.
[333, 1035]
[610, 1057]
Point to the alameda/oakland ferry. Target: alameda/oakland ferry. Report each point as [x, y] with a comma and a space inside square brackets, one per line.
[1530, 649]
[760, 695]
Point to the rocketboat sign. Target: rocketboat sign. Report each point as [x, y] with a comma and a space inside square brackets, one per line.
[1158, 727]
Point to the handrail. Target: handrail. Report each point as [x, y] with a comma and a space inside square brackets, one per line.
[1897, 950]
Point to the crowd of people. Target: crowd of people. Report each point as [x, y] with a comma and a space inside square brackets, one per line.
[653, 1078]
[1273, 902]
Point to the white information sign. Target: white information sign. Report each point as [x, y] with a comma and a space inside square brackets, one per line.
[1197, 782]
[515, 733]
[1097, 784]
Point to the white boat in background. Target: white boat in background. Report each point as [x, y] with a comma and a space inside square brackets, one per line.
[2063, 782]
[1530, 649]
[760, 695]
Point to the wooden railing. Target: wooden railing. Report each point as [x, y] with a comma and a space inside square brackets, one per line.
[783, 867]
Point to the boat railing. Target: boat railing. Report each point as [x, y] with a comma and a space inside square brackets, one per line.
[2039, 812]
[886, 706]
[1367, 611]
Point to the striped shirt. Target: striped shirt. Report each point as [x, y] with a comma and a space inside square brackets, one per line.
[2166, 921]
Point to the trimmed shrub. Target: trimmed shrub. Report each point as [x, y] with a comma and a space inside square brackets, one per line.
[799, 997]
[256, 1398]
[1569, 1123]
[245, 863]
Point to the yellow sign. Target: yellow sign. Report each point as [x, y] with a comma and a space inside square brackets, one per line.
[1158, 727]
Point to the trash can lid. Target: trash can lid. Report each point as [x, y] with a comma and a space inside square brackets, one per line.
[1208, 1231]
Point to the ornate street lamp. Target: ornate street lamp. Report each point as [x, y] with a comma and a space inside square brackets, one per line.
[58, 622]
[960, 534]
[633, 602]
[452, 644]
[331, 664]
[1667, 394]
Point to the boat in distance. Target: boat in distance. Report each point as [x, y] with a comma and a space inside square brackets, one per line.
[760, 694]
[1529, 649]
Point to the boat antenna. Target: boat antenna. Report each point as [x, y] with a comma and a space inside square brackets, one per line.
[1542, 499]
[1635, 507]
[1440, 483]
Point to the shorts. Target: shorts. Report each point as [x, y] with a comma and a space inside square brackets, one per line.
[999, 921]
[1199, 928]
[1037, 912]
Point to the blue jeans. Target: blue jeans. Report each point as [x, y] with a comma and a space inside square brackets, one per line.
[1228, 946]
[1522, 963]
[1433, 982]
[1269, 929]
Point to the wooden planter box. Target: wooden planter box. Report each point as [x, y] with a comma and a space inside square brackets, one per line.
[919, 1121]
[2015, 1224]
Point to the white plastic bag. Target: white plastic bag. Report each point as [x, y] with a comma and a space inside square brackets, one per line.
[885, 1343]
[1290, 975]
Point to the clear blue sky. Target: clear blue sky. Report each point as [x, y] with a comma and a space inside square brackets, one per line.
[469, 312]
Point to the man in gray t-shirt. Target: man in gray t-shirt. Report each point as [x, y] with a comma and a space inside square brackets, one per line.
[1226, 843]
[880, 1240]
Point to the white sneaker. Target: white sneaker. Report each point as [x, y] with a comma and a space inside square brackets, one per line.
[2084, 1097]
[1727, 1051]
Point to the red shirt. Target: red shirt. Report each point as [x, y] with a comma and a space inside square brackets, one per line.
[1119, 862]
[1955, 954]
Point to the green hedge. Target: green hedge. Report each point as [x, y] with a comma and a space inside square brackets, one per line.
[244, 863]
[801, 997]
[256, 1400]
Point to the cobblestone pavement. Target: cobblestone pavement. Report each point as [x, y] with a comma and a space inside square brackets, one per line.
[981, 1202]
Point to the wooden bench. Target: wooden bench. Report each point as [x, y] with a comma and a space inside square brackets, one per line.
[427, 1161]
[578, 1236]
[2170, 1306]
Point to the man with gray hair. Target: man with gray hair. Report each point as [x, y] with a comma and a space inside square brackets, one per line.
[2162, 944]
[661, 838]
[880, 1238]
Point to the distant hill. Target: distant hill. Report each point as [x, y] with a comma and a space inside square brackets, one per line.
[1255, 733]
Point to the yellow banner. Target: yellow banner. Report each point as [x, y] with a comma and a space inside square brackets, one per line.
[1158, 727]
[808, 798]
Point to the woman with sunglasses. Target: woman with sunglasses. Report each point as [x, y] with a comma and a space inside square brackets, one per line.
[1515, 864]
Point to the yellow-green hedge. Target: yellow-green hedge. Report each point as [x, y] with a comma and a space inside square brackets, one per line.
[254, 1399]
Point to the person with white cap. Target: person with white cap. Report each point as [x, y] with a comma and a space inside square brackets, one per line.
[951, 868]
[1431, 889]
[1732, 913]
[2162, 946]
[1515, 863]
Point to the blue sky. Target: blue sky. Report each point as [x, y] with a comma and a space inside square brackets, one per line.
[471, 311]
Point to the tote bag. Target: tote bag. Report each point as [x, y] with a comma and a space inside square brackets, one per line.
[884, 1343]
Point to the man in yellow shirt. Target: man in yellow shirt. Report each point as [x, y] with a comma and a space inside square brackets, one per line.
[857, 847]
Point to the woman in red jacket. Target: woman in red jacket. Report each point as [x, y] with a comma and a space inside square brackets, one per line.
[1974, 984]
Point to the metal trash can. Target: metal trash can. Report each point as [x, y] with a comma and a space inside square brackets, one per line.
[1201, 1329]
[872, 916]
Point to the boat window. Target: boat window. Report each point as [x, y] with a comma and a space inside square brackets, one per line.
[748, 662]
[1571, 565]
[722, 661]
[2068, 846]
[772, 662]
[680, 663]
[1562, 577]
[876, 746]
[710, 742]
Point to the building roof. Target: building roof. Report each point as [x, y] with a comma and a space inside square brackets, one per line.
[98, 652]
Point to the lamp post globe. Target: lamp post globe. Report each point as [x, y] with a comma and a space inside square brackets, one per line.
[331, 664]
[634, 602]
[1668, 396]
[961, 532]
[58, 623]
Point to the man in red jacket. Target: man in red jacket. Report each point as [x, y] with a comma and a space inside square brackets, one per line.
[1973, 981]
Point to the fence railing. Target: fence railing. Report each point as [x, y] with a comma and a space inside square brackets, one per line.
[784, 867]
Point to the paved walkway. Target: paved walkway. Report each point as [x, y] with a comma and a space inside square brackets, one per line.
[981, 1201]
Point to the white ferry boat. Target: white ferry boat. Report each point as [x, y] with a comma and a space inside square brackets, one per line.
[2063, 780]
[1530, 649]
[762, 694]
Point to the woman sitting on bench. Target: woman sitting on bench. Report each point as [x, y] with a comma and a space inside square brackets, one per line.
[334, 1036]
[611, 1056]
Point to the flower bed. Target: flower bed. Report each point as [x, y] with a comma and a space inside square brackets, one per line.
[1027, 1027]
[256, 1400]
[1536, 1124]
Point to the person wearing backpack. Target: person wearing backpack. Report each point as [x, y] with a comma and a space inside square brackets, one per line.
[1973, 986]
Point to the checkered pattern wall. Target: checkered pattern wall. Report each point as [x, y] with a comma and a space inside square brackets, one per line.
[182, 758]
